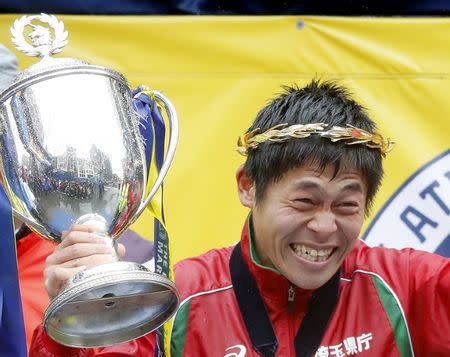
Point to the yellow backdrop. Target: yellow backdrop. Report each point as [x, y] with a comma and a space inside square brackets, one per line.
[219, 71]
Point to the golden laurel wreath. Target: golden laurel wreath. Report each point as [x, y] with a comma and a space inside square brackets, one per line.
[280, 133]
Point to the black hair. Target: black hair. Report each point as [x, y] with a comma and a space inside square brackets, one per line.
[317, 102]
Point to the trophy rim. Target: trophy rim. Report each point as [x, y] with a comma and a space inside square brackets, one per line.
[119, 272]
[53, 72]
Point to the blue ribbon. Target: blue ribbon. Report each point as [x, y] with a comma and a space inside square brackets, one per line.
[160, 133]
[12, 330]
[141, 103]
[153, 129]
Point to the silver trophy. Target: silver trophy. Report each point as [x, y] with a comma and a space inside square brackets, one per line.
[71, 152]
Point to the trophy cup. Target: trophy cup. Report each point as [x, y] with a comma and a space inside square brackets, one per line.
[71, 152]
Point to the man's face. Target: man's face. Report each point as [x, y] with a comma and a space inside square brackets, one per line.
[308, 222]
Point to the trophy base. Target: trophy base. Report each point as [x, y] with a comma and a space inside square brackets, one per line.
[109, 304]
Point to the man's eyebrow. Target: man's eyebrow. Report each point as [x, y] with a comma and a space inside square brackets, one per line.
[310, 185]
[353, 186]
[306, 185]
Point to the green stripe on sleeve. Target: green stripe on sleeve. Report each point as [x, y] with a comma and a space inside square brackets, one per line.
[179, 330]
[395, 316]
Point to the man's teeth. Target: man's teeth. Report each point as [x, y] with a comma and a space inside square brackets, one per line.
[310, 253]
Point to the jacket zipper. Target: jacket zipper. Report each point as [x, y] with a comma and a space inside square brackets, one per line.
[291, 299]
[291, 318]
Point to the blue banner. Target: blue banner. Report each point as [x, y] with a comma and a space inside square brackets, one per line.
[12, 331]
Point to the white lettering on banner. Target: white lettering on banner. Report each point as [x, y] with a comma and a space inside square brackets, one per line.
[350, 346]
[417, 214]
[240, 353]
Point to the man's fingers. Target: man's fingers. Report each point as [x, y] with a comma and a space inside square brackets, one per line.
[79, 228]
[89, 261]
[72, 237]
[83, 228]
[56, 277]
[76, 251]
[80, 248]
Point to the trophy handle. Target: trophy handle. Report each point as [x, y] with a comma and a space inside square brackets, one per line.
[173, 140]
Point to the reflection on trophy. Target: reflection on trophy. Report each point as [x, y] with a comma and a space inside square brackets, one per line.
[71, 152]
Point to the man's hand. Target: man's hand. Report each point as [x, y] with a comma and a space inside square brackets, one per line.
[80, 248]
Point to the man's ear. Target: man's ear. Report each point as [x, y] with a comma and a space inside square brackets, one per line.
[246, 188]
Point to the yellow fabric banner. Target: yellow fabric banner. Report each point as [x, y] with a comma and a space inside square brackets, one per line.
[219, 71]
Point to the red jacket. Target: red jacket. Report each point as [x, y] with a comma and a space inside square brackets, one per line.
[391, 303]
[32, 251]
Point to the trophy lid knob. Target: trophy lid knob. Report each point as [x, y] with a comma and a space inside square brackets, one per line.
[43, 43]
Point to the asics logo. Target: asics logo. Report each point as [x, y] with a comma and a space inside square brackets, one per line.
[240, 351]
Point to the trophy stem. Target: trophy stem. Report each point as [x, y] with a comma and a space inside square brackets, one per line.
[97, 221]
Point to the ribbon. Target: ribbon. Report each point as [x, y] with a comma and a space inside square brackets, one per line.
[152, 129]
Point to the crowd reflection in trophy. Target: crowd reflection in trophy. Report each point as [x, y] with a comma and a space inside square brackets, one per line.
[76, 181]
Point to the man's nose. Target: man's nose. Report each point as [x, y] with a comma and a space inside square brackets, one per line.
[323, 222]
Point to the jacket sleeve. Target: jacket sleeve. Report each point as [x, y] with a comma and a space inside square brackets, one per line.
[429, 317]
[43, 346]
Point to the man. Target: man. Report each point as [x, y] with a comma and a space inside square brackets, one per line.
[299, 283]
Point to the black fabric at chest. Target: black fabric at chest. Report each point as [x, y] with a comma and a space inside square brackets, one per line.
[256, 318]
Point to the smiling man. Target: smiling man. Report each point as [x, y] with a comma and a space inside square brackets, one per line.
[299, 282]
[308, 222]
